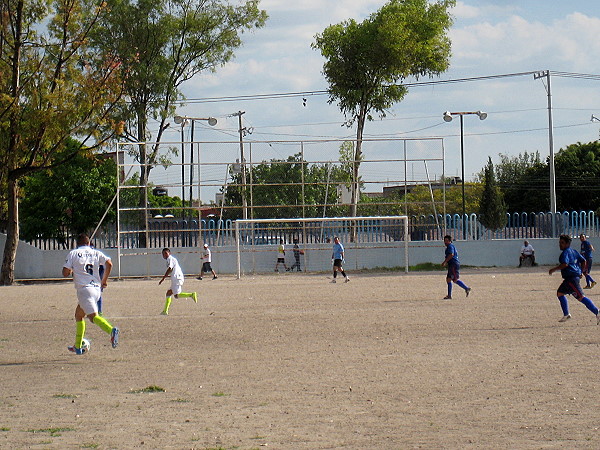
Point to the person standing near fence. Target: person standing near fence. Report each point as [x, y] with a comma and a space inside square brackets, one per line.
[177, 278]
[84, 264]
[453, 264]
[338, 257]
[570, 262]
[206, 260]
[297, 253]
[280, 256]
[586, 251]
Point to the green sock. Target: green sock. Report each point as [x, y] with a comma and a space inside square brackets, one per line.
[79, 334]
[167, 304]
[185, 294]
[103, 323]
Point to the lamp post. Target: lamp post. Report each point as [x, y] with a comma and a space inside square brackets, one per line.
[183, 121]
[448, 118]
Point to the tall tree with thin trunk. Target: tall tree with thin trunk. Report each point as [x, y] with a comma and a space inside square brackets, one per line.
[366, 61]
[162, 44]
[492, 209]
[52, 88]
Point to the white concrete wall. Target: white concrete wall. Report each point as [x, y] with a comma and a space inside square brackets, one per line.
[32, 263]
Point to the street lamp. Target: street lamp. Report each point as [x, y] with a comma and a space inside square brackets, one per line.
[183, 121]
[448, 118]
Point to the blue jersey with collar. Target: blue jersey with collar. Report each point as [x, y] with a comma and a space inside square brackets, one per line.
[572, 259]
[338, 249]
[451, 250]
[586, 249]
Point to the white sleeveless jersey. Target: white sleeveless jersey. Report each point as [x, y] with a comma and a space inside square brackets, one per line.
[85, 263]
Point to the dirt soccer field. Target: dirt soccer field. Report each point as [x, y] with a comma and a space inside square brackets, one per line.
[294, 362]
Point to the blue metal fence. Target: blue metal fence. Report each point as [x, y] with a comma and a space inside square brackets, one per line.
[218, 232]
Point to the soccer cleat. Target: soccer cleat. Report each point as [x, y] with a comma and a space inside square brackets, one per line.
[587, 287]
[77, 351]
[593, 284]
[565, 318]
[448, 297]
[164, 313]
[198, 278]
[215, 277]
[468, 291]
[598, 319]
[333, 281]
[195, 297]
[114, 337]
[347, 279]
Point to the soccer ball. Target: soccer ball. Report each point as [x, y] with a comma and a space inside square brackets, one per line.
[85, 345]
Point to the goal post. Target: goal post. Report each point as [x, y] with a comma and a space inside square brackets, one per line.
[370, 243]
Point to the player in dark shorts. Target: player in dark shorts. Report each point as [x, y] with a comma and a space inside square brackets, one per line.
[453, 264]
[570, 262]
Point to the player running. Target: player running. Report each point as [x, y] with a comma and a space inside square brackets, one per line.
[570, 270]
[586, 251]
[84, 263]
[338, 258]
[453, 268]
[177, 278]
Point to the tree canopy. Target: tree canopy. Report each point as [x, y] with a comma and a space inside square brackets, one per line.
[364, 62]
[53, 87]
[69, 199]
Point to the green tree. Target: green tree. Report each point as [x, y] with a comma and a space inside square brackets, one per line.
[162, 44]
[492, 209]
[69, 199]
[277, 189]
[523, 180]
[52, 87]
[365, 61]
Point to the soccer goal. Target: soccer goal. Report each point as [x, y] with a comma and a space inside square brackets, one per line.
[305, 245]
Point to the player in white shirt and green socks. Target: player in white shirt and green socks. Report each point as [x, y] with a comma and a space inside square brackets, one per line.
[84, 263]
[177, 278]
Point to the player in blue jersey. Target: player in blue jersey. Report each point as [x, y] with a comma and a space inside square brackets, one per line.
[570, 269]
[586, 251]
[453, 264]
[337, 257]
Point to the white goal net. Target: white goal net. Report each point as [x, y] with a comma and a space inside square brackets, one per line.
[305, 245]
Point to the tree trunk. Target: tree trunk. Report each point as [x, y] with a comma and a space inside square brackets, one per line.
[7, 276]
[355, 169]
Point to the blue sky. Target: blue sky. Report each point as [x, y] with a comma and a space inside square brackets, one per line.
[488, 38]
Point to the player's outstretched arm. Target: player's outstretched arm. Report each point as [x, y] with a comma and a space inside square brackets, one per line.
[107, 268]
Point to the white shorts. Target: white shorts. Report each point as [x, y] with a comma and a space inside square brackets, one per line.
[176, 286]
[88, 299]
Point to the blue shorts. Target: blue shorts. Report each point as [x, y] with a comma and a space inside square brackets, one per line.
[588, 266]
[571, 286]
[453, 272]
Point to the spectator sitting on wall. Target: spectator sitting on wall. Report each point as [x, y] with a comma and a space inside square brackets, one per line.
[527, 252]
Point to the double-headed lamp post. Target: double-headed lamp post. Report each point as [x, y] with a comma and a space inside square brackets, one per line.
[183, 121]
[448, 118]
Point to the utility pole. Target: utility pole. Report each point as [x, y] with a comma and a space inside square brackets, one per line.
[243, 131]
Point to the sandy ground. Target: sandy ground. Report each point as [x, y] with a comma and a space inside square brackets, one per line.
[294, 362]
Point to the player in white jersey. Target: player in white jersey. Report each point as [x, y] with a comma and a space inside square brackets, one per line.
[84, 264]
[177, 278]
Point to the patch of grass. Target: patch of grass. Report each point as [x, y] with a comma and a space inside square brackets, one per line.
[426, 267]
[4, 429]
[64, 396]
[54, 432]
[148, 389]
[258, 437]
[220, 394]
[181, 400]
[90, 446]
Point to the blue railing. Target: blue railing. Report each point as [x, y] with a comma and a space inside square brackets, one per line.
[218, 232]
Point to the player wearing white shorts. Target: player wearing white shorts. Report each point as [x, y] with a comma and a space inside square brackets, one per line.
[177, 278]
[84, 264]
